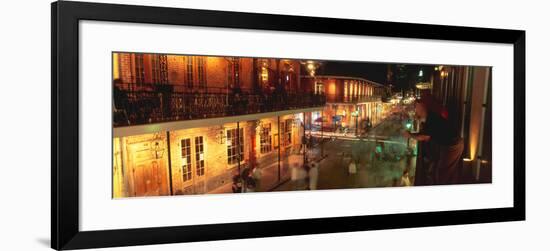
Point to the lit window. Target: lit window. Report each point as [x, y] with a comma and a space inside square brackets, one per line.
[265, 75]
[319, 88]
[199, 155]
[286, 132]
[186, 166]
[235, 146]
[265, 139]
[159, 69]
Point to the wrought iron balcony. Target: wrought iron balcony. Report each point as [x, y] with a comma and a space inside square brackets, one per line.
[145, 104]
[352, 99]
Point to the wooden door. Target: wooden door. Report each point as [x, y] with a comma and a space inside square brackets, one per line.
[149, 173]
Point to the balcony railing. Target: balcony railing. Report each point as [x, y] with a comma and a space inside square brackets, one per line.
[146, 104]
[352, 99]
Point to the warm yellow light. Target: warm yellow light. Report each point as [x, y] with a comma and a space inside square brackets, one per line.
[424, 85]
[265, 74]
[116, 73]
[332, 88]
[467, 159]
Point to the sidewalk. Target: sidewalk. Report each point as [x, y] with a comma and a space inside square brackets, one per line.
[299, 181]
[270, 175]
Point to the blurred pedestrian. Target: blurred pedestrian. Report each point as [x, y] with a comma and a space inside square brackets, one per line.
[250, 184]
[313, 174]
[257, 177]
[237, 183]
[405, 179]
[352, 167]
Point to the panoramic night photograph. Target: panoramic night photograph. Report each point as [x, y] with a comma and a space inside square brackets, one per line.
[194, 124]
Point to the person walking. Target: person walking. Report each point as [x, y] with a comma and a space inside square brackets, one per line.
[313, 175]
[257, 177]
[352, 167]
[237, 186]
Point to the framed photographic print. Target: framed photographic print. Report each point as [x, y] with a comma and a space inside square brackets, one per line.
[178, 125]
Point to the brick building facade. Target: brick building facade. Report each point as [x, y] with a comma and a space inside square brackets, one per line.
[347, 97]
[188, 124]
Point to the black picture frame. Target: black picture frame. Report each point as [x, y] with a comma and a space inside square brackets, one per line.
[65, 233]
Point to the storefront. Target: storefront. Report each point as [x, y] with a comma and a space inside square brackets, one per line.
[204, 159]
[140, 166]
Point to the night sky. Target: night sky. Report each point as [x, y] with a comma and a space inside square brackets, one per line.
[372, 71]
[404, 75]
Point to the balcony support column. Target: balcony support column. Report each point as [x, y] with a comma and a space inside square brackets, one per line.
[169, 162]
[304, 141]
[239, 148]
[322, 139]
[279, 148]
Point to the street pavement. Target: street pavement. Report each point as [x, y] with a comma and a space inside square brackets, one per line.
[391, 166]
